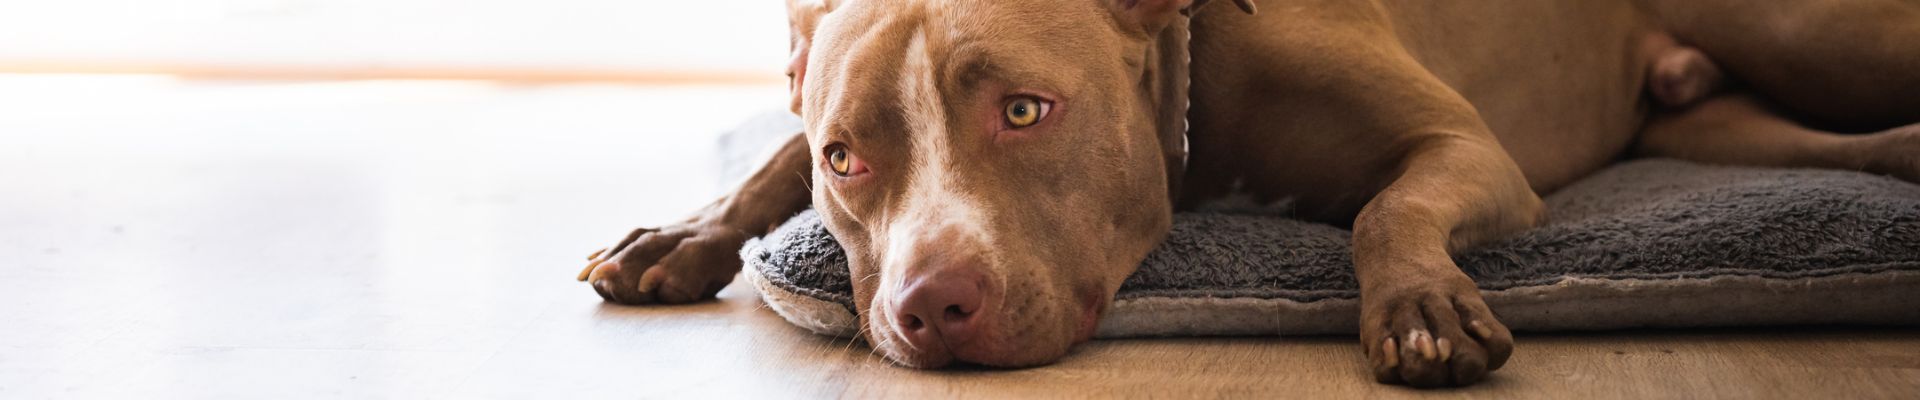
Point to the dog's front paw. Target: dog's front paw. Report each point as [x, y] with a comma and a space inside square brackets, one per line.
[672, 265]
[1430, 333]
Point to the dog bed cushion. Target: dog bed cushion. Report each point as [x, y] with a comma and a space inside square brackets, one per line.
[1650, 243]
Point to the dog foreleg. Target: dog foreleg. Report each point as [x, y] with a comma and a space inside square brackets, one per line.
[1423, 321]
[692, 260]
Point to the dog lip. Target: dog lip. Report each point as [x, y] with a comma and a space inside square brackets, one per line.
[1092, 309]
[1026, 351]
[905, 354]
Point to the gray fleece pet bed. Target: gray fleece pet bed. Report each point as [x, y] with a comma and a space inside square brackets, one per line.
[1652, 243]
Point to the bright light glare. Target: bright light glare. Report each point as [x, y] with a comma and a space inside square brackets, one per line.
[742, 36]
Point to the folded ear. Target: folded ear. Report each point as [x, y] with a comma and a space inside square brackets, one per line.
[1153, 15]
[802, 17]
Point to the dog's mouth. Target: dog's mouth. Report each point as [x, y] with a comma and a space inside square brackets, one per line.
[1093, 306]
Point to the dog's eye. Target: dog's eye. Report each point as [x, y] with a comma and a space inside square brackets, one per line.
[1025, 111]
[838, 160]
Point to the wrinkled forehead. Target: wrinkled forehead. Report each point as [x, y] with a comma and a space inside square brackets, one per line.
[867, 54]
[859, 54]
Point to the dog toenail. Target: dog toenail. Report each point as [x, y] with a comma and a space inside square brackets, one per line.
[1446, 349]
[1481, 330]
[1392, 353]
[1424, 344]
[1414, 341]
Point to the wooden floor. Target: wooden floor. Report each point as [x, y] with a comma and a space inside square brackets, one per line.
[170, 239]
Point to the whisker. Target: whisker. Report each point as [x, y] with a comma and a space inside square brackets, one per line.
[856, 336]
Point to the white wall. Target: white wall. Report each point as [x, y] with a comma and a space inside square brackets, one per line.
[709, 36]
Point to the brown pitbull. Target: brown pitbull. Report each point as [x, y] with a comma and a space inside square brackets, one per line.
[995, 168]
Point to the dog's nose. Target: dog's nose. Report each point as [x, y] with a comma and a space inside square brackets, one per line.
[941, 308]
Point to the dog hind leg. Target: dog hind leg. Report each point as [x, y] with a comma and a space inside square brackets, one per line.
[1738, 129]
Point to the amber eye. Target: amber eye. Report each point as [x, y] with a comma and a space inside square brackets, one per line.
[1025, 111]
[838, 160]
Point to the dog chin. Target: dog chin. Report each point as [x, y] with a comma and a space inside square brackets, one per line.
[997, 356]
[1028, 353]
[1017, 348]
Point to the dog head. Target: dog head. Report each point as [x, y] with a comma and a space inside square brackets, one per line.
[993, 168]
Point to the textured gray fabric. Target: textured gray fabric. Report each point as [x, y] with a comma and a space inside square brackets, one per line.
[1650, 219]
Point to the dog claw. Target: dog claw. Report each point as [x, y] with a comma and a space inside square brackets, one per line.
[1446, 349]
[1422, 343]
[588, 272]
[1386, 361]
[1391, 353]
[1481, 330]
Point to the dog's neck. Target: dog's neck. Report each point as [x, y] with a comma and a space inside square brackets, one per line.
[1166, 84]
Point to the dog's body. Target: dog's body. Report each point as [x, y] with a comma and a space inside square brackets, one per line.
[996, 168]
[1560, 83]
[1564, 99]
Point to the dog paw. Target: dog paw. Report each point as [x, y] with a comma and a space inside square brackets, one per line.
[1432, 334]
[670, 265]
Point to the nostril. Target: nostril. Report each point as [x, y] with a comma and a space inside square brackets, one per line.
[913, 323]
[954, 313]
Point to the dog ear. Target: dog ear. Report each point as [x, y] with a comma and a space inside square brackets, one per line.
[802, 17]
[1153, 15]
